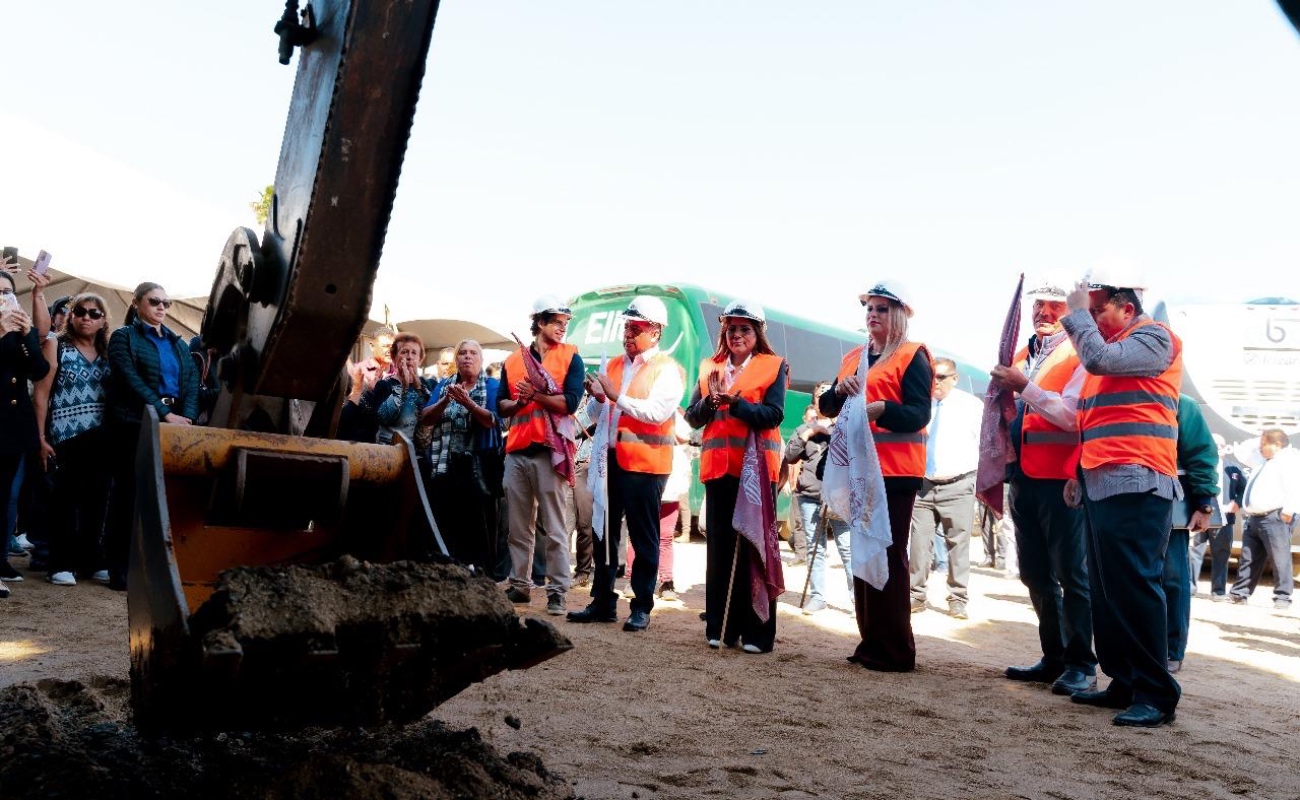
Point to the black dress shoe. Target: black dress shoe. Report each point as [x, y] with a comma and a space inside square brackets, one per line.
[1042, 672]
[1074, 680]
[638, 621]
[590, 614]
[1141, 715]
[1103, 699]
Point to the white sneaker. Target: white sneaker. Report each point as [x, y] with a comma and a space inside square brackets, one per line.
[101, 576]
[751, 648]
[24, 543]
[63, 579]
[715, 643]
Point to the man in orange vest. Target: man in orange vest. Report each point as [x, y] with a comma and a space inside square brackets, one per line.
[1050, 538]
[532, 486]
[636, 399]
[1128, 424]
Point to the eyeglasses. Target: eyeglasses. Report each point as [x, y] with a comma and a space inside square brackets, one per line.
[158, 301]
[878, 309]
[944, 377]
[82, 311]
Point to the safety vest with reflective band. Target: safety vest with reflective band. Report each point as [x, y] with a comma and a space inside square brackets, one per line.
[722, 445]
[1133, 420]
[902, 455]
[528, 426]
[1047, 451]
[644, 446]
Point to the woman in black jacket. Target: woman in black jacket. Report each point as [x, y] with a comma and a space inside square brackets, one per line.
[151, 368]
[21, 361]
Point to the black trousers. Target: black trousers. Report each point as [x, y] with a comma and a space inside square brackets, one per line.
[1265, 538]
[743, 624]
[82, 481]
[633, 496]
[1127, 537]
[885, 615]
[466, 518]
[1052, 549]
[123, 440]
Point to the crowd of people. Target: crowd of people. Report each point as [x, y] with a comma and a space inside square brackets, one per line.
[1116, 491]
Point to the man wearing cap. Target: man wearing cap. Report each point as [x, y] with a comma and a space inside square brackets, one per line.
[947, 495]
[635, 401]
[533, 488]
[1128, 424]
[1050, 538]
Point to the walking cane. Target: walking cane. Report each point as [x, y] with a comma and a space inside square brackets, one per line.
[824, 525]
[731, 585]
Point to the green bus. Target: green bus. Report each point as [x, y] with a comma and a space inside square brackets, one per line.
[813, 349]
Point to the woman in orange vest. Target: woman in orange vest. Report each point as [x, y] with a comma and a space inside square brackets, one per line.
[898, 385]
[741, 388]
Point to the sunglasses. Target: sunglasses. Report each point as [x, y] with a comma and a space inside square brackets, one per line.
[82, 311]
[158, 301]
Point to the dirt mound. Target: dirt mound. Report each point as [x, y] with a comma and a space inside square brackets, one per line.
[69, 739]
[347, 643]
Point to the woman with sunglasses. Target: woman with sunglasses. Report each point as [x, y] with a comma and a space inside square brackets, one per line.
[71, 410]
[896, 392]
[741, 389]
[151, 368]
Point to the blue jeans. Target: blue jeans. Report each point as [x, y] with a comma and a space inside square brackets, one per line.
[810, 511]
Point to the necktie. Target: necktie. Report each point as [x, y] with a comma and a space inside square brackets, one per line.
[1245, 501]
[931, 440]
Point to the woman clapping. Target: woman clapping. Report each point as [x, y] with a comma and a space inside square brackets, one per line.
[741, 389]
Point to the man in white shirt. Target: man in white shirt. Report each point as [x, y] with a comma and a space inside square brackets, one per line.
[1269, 505]
[947, 494]
[638, 395]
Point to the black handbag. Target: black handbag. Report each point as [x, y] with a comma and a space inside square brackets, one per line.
[1183, 510]
[488, 468]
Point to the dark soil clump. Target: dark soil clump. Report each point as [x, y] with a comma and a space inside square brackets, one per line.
[71, 740]
[345, 643]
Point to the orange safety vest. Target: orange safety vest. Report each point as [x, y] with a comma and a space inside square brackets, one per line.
[902, 455]
[722, 444]
[644, 446]
[1047, 451]
[1133, 420]
[528, 425]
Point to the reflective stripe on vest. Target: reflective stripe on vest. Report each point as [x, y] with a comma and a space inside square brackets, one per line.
[1133, 420]
[1127, 398]
[901, 454]
[1046, 450]
[528, 426]
[722, 444]
[643, 446]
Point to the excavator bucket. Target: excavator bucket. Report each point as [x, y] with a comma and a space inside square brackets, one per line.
[278, 581]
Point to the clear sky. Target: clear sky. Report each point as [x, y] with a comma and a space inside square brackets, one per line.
[792, 153]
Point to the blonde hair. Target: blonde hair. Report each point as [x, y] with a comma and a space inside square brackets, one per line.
[897, 333]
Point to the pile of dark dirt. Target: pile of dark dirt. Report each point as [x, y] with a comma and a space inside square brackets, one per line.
[344, 643]
[67, 739]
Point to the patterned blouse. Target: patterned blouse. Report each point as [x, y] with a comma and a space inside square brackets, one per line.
[78, 396]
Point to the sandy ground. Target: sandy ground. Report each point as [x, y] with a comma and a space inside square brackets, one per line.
[659, 715]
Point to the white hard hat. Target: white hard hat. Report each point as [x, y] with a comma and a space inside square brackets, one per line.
[550, 304]
[1052, 288]
[650, 309]
[1117, 274]
[744, 309]
[892, 289]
